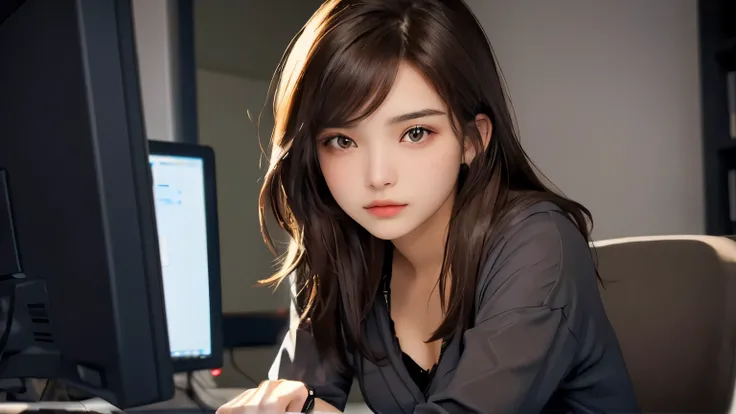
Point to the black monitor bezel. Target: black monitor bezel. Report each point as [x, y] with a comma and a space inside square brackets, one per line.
[207, 155]
[89, 285]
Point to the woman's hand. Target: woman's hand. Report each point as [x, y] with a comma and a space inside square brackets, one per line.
[271, 397]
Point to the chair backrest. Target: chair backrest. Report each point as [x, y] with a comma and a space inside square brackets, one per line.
[672, 302]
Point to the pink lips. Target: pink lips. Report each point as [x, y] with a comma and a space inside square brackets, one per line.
[385, 208]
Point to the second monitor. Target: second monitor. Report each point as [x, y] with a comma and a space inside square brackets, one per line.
[185, 195]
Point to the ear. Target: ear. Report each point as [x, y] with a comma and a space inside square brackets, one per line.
[485, 130]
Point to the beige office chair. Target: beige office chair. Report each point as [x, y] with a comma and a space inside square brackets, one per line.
[672, 303]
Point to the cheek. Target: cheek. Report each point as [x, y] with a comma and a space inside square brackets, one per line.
[436, 169]
[338, 176]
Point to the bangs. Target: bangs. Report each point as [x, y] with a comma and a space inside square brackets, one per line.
[355, 79]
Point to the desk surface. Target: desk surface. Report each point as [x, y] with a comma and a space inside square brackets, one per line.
[182, 404]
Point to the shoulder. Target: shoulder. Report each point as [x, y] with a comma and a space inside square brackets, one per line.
[540, 259]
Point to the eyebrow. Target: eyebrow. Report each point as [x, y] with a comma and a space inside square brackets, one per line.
[400, 118]
[414, 115]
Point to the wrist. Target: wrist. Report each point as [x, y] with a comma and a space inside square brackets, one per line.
[309, 402]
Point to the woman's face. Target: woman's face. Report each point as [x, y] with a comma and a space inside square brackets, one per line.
[397, 168]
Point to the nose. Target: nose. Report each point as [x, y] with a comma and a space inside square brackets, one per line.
[380, 172]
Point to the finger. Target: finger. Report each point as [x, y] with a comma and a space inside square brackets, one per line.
[236, 406]
[248, 400]
[257, 394]
[280, 398]
[262, 398]
[274, 400]
[298, 398]
[229, 406]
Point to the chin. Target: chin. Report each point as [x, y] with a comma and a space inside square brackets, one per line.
[387, 230]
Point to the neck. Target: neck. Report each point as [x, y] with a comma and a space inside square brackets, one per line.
[422, 250]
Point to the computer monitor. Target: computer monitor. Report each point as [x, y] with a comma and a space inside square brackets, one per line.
[185, 196]
[81, 295]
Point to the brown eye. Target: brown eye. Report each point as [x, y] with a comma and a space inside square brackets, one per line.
[340, 142]
[416, 134]
[343, 142]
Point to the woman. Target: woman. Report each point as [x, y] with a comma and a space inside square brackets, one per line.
[430, 262]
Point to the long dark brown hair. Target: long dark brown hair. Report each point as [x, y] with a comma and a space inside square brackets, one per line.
[338, 70]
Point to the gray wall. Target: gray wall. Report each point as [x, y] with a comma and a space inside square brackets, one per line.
[607, 99]
[155, 27]
[228, 108]
[238, 45]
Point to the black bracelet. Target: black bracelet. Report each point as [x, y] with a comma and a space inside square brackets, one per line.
[309, 403]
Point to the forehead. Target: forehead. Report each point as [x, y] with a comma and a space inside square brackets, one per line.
[410, 92]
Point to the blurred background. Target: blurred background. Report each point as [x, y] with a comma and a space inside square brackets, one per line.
[610, 98]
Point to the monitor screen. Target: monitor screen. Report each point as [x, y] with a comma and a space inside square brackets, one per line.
[179, 192]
